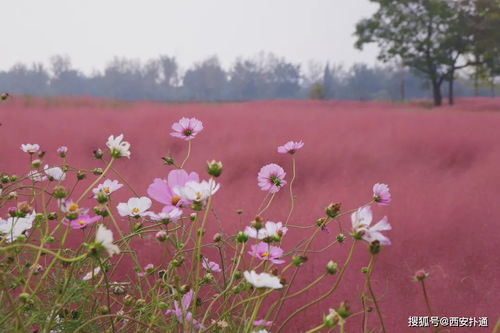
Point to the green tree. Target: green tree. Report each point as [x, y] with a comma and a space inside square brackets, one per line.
[428, 36]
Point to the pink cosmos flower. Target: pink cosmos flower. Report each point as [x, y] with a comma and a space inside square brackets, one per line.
[187, 128]
[265, 251]
[263, 322]
[62, 150]
[168, 214]
[211, 266]
[182, 311]
[381, 194]
[290, 147]
[82, 221]
[271, 178]
[161, 190]
[361, 220]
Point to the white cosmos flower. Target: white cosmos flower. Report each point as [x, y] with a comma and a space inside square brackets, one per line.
[172, 215]
[135, 207]
[55, 173]
[105, 237]
[36, 176]
[89, 275]
[108, 187]
[361, 220]
[262, 280]
[30, 148]
[13, 227]
[197, 191]
[117, 147]
[270, 229]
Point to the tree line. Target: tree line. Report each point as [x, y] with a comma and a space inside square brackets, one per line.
[264, 76]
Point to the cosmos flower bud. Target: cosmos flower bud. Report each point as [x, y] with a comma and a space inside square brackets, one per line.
[217, 237]
[237, 275]
[36, 163]
[344, 310]
[333, 209]
[24, 207]
[239, 212]
[340, 238]
[98, 153]
[168, 160]
[13, 178]
[4, 96]
[161, 236]
[241, 237]
[332, 267]
[177, 262]
[257, 223]
[5, 179]
[23, 297]
[299, 260]
[80, 175]
[62, 151]
[128, 300]
[420, 275]
[193, 216]
[12, 195]
[374, 247]
[321, 221]
[101, 210]
[140, 303]
[52, 216]
[59, 192]
[214, 168]
[331, 319]
[12, 211]
[208, 277]
[97, 171]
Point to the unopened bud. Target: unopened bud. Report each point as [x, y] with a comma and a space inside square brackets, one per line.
[97, 171]
[214, 168]
[161, 236]
[59, 192]
[332, 267]
[217, 237]
[36, 163]
[24, 207]
[420, 275]
[98, 154]
[299, 260]
[333, 209]
[340, 238]
[80, 175]
[241, 237]
[168, 160]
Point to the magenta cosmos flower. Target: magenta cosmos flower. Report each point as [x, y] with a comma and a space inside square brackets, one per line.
[82, 221]
[271, 178]
[265, 251]
[211, 266]
[290, 147]
[381, 194]
[186, 128]
[161, 190]
[181, 310]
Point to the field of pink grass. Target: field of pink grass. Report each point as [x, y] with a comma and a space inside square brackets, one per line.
[442, 166]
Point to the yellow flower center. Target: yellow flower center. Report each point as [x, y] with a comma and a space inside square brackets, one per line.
[73, 207]
[105, 190]
[81, 222]
[175, 200]
[265, 254]
[135, 210]
[198, 195]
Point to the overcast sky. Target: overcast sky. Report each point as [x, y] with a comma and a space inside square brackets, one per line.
[91, 32]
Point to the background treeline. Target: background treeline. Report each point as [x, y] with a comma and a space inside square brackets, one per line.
[264, 76]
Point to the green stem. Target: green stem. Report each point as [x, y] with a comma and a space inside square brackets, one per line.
[372, 294]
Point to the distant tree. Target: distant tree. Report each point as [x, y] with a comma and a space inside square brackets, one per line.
[206, 81]
[426, 35]
[328, 82]
[64, 79]
[247, 80]
[317, 91]
[283, 77]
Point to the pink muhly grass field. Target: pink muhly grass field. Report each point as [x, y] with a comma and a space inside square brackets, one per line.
[442, 166]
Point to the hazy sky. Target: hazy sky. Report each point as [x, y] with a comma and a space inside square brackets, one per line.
[91, 32]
